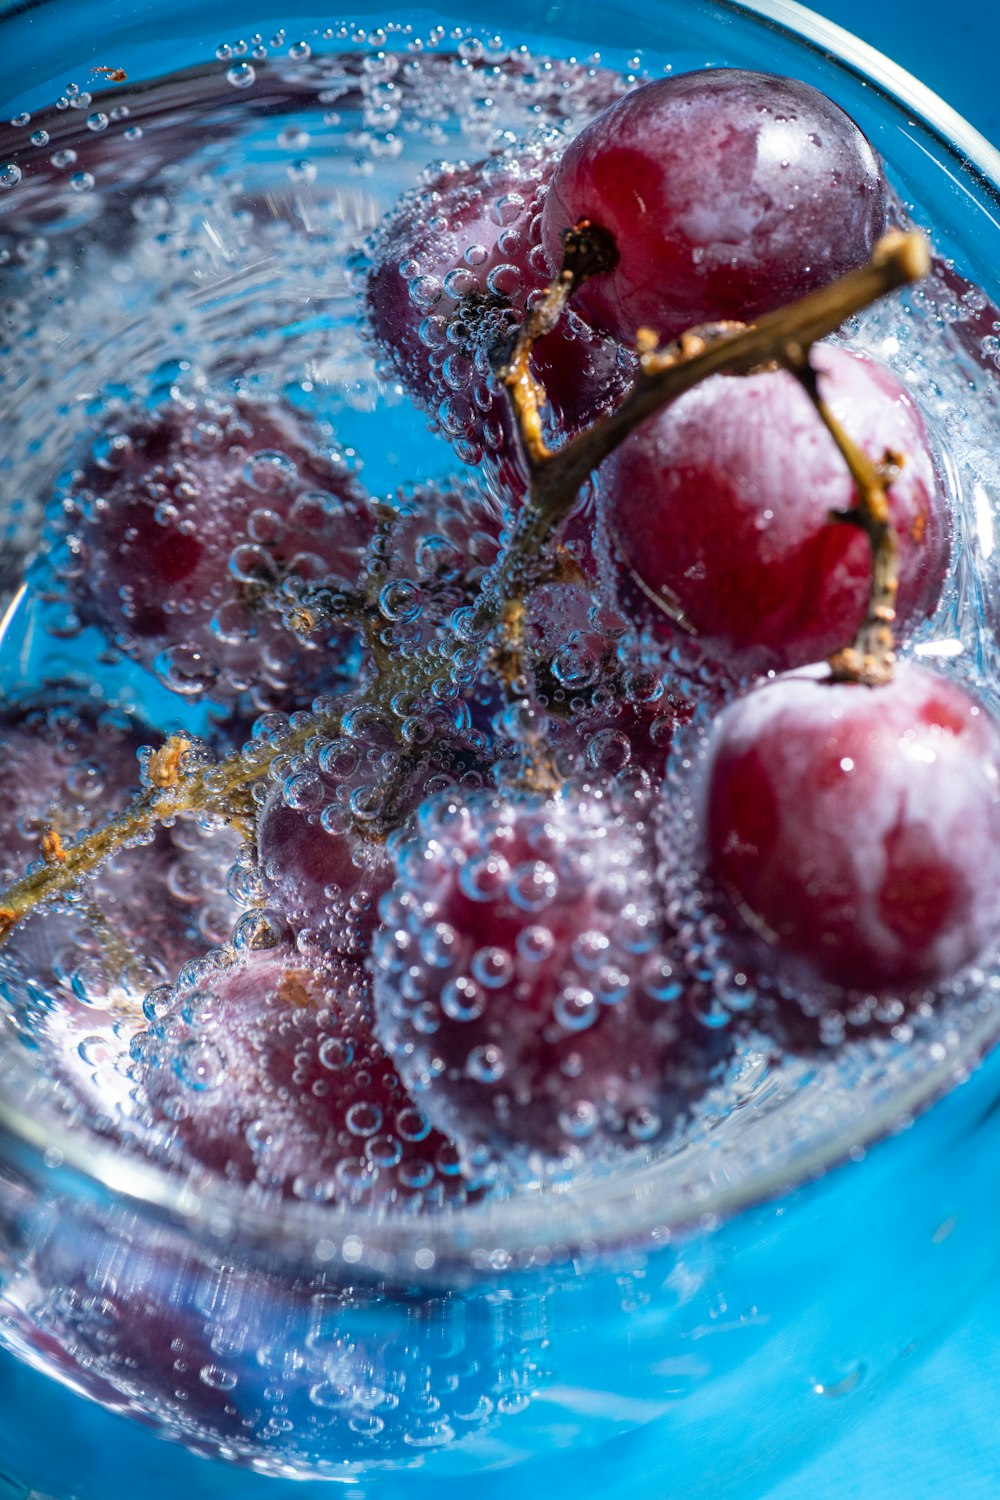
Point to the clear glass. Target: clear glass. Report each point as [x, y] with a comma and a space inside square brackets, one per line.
[695, 1327]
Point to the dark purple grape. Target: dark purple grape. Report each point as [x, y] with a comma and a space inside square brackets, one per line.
[855, 831]
[721, 507]
[267, 1072]
[189, 535]
[452, 272]
[520, 982]
[727, 193]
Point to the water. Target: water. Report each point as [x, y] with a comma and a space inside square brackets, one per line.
[199, 235]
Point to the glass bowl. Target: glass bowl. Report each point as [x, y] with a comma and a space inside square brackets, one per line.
[696, 1326]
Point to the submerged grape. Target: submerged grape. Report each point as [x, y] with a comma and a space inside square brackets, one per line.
[267, 1071]
[520, 984]
[189, 536]
[727, 507]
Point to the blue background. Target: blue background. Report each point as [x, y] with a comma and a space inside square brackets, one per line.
[938, 1436]
[951, 45]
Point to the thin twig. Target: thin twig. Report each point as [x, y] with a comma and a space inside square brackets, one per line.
[871, 656]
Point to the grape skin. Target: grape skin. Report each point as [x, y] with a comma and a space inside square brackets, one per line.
[266, 1070]
[727, 193]
[721, 505]
[855, 831]
[519, 981]
[189, 534]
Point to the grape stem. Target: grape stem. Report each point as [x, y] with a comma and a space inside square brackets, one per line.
[588, 251]
[782, 337]
[179, 784]
[871, 657]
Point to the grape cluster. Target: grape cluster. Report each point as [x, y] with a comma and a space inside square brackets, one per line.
[527, 845]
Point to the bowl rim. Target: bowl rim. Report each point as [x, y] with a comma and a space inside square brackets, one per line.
[600, 1213]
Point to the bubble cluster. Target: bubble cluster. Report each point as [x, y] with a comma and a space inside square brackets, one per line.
[450, 276]
[266, 1070]
[322, 1376]
[76, 973]
[190, 534]
[519, 982]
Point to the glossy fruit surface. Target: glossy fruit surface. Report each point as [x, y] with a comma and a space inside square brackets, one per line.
[722, 506]
[856, 831]
[727, 193]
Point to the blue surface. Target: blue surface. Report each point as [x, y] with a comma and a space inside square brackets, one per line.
[938, 1433]
[952, 48]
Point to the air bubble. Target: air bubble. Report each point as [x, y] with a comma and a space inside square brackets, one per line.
[200, 1065]
[532, 887]
[580, 1120]
[364, 1119]
[241, 75]
[217, 1378]
[486, 1064]
[302, 171]
[336, 1053]
[535, 944]
[575, 1008]
[463, 1000]
[492, 967]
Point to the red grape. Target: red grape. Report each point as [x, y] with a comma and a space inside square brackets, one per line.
[855, 831]
[520, 985]
[189, 533]
[727, 193]
[720, 505]
[267, 1072]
